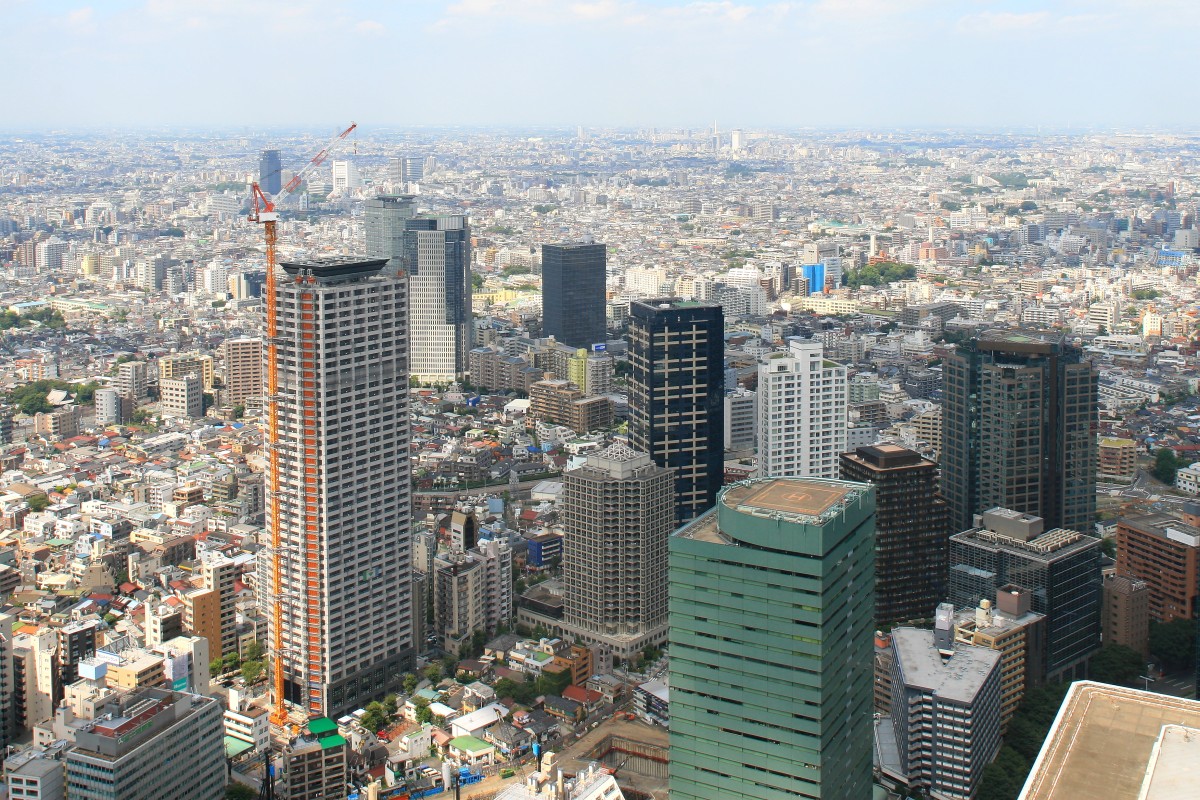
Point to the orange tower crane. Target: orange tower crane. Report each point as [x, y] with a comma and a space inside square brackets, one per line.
[265, 213]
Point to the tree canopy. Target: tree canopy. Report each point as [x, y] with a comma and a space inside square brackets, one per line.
[1117, 664]
[880, 274]
[1174, 643]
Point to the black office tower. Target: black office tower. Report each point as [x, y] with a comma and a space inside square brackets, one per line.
[270, 170]
[573, 292]
[1018, 429]
[676, 395]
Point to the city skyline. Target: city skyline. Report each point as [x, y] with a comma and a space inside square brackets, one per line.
[711, 56]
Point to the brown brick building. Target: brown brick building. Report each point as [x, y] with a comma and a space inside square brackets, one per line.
[1162, 551]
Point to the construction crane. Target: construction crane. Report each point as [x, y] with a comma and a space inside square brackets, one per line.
[265, 213]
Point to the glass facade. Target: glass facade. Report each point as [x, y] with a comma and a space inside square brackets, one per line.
[770, 609]
[1018, 429]
[1060, 569]
[573, 293]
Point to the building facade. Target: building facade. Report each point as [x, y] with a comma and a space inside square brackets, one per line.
[122, 752]
[945, 708]
[1018, 420]
[676, 396]
[182, 397]
[573, 292]
[618, 513]
[911, 534]
[1164, 552]
[801, 412]
[1010, 627]
[771, 648]
[339, 502]
[1059, 568]
[243, 370]
[270, 172]
[437, 257]
[1126, 613]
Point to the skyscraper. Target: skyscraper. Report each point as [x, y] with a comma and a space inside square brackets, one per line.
[618, 513]
[910, 530]
[801, 412]
[573, 299]
[384, 221]
[270, 170]
[771, 647]
[437, 257]
[1017, 424]
[340, 498]
[677, 395]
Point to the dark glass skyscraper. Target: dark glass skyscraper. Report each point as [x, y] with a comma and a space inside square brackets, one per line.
[676, 395]
[1018, 429]
[385, 220]
[910, 530]
[573, 292]
[270, 170]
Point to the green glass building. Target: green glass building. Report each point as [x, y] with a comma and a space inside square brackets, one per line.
[771, 619]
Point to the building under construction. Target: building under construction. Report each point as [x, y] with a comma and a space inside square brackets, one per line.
[338, 484]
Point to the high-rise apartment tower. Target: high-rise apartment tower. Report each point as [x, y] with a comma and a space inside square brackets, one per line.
[911, 536]
[270, 172]
[619, 511]
[340, 498]
[801, 412]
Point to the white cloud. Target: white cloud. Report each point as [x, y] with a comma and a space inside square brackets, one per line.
[1003, 21]
[370, 27]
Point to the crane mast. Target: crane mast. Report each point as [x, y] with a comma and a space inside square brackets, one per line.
[264, 212]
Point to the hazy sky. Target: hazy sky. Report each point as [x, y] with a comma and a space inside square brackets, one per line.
[870, 63]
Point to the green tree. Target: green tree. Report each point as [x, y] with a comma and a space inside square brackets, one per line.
[376, 717]
[1117, 664]
[1108, 546]
[37, 502]
[433, 673]
[1166, 464]
[1174, 643]
[239, 791]
[254, 651]
[216, 666]
[880, 274]
[252, 671]
[410, 683]
[1003, 778]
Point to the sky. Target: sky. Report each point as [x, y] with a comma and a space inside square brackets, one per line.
[874, 64]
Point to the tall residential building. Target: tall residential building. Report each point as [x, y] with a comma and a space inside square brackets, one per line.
[573, 292]
[437, 258]
[148, 744]
[1164, 552]
[618, 513]
[472, 591]
[131, 379]
[220, 573]
[243, 370]
[340, 501]
[771, 647]
[1059, 568]
[911, 535]
[945, 709]
[677, 397]
[801, 412]
[314, 764]
[1017, 429]
[110, 407]
[270, 172]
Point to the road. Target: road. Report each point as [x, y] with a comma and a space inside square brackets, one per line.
[1142, 488]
